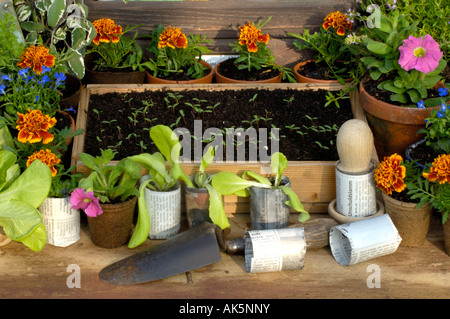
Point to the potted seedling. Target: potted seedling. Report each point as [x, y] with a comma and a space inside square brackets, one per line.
[203, 202]
[270, 198]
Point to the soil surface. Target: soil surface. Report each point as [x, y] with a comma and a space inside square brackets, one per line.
[307, 129]
[320, 71]
[228, 69]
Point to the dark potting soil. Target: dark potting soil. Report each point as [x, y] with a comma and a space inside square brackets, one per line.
[319, 71]
[307, 129]
[228, 69]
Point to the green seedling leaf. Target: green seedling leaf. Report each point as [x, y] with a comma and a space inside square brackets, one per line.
[216, 209]
[142, 228]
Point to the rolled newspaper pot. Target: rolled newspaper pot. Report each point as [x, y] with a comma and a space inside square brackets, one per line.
[275, 250]
[61, 221]
[362, 240]
[355, 192]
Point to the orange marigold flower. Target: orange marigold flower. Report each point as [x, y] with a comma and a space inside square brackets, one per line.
[172, 38]
[338, 21]
[33, 127]
[107, 31]
[250, 35]
[35, 57]
[440, 170]
[389, 174]
[46, 157]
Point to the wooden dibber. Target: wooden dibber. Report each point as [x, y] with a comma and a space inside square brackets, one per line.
[354, 144]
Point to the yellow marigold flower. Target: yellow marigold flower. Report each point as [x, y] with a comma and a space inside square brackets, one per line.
[250, 35]
[46, 157]
[33, 127]
[389, 175]
[107, 31]
[338, 21]
[172, 38]
[35, 57]
[440, 170]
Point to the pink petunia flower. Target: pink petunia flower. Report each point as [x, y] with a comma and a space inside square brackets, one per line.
[86, 201]
[422, 54]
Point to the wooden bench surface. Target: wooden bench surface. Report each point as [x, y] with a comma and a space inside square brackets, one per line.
[420, 272]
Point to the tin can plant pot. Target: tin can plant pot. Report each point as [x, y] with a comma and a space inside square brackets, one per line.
[113, 227]
[164, 208]
[268, 209]
[411, 223]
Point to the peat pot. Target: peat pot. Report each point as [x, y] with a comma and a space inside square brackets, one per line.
[268, 209]
[111, 77]
[164, 209]
[394, 127]
[113, 228]
[220, 78]
[412, 223]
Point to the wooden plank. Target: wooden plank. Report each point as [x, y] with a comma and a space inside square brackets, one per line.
[420, 272]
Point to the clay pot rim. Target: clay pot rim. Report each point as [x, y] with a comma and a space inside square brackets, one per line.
[390, 112]
[205, 79]
[224, 79]
[342, 219]
[304, 79]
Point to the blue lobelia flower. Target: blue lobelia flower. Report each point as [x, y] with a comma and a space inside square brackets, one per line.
[2, 89]
[421, 105]
[45, 69]
[443, 91]
[442, 110]
[6, 77]
[60, 78]
[23, 73]
[45, 79]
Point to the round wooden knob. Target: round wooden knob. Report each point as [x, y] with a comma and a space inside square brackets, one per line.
[354, 144]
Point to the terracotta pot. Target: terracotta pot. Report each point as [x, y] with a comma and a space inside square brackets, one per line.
[446, 227]
[304, 79]
[223, 79]
[111, 77]
[206, 79]
[72, 125]
[394, 127]
[113, 228]
[412, 223]
[74, 99]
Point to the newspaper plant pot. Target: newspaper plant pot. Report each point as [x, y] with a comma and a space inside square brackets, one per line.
[362, 240]
[412, 223]
[268, 209]
[164, 209]
[61, 221]
[275, 250]
[197, 205]
[113, 228]
[355, 193]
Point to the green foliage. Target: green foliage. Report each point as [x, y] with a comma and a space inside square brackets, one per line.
[110, 182]
[227, 183]
[58, 23]
[11, 42]
[20, 196]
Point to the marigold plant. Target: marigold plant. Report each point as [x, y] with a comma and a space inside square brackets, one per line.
[390, 174]
[33, 127]
[338, 21]
[114, 49]
[175, 53]
[47, 157]
[35, 57]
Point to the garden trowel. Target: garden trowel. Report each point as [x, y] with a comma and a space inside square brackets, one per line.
[191, 249]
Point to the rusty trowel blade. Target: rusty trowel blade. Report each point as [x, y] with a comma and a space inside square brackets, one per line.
[191, 249]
